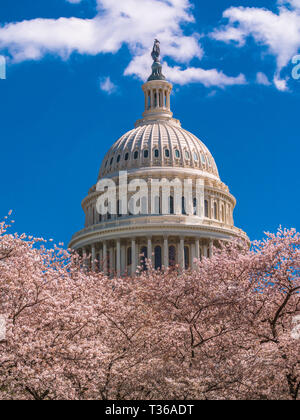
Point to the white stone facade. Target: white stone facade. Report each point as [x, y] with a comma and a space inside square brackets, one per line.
[158, 147]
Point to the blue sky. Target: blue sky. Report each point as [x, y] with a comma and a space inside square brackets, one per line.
[73, 87]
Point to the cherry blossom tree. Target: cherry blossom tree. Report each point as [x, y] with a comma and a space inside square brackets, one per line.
[227, 330]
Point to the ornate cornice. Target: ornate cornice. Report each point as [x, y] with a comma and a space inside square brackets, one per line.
[97, 233]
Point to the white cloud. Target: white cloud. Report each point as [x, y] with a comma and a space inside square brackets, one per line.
[293, 3]
[208, 78]
[280, 84]
[106, 85]
[140, 65]
[262, 79]
[133, 23]
[278, 32]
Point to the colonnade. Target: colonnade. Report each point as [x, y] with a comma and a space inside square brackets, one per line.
[124, 257]
[215, 209]
[157, 98]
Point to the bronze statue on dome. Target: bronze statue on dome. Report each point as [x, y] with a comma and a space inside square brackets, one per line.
[156, 66]
[156, 51]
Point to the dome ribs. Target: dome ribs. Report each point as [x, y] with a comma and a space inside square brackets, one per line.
[188, 137]
[151, 146]
[160, 145]
[180, 146]
[159, 135]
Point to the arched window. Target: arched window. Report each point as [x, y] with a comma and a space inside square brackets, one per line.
[146, 154]
[183, 206]
[127, 156]
[119, 208]
[187, 155]
[111, 160]
[206, 208]
[119, 158]
[136, 155]
[223, 213]
[108, 261]
[100, 218]
[186, 257]
[157, 203]
[172, 256]
[215, 211]
[156, 153]
[203, 159]
[195, 206]
[195, 157]
[129, 256]
[172, 211]
[144, 206]
[167, 153]
[157, 253]
[177, 154]
[144, 256]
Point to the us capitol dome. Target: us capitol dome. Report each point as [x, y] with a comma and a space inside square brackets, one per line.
[157, 148]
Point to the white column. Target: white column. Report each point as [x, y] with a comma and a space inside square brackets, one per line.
[133, 257]
[166, 253]
[98, 259]
[105, 257]
[149, 247]
[211, 252]
[181, 253]
[118, 258]
[111, 260]
[152, 98]
[193, 255]
[123, 259]
[93, 257]
[84, 258]
[220, 211]
[197, 247]
[211, 201]
[90, 216]
[168, 100]
[101, 260]
[226, 214]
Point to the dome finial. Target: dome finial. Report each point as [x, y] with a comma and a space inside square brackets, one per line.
[156, 51]
[156, 66]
